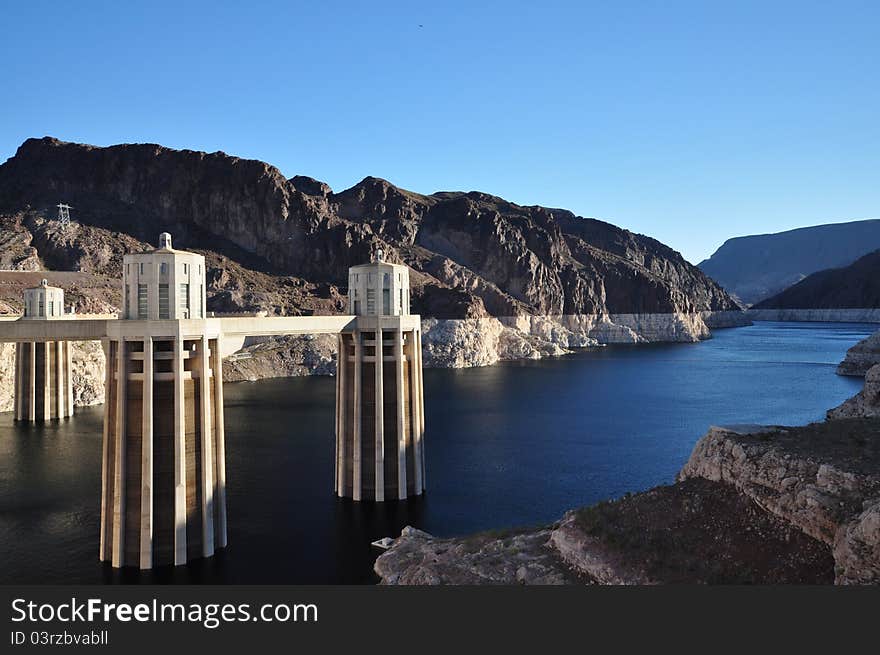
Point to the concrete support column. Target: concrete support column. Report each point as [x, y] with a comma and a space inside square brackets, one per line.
[220, 432]
[119, 464]
[404, 399]
[146, 553]
[207, 450]
[179, 455]
[344, 429]
[341, 361]
[420, 399]
[68, 377]
[46, 391]
[106, 469]
[358, 399]
[32, 383]
[415, 411]
[380, 418]
[60, 399]
[151, 423]
[18, 397]
[399, 359]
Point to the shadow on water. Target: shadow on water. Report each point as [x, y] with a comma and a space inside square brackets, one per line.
[357, 526]
[513, 444]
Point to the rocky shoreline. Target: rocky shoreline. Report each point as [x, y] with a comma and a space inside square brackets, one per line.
[861, 357]
[753, 504]
[462, 343]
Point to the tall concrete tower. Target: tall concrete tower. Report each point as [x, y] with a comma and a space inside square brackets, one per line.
[379, 397]
[42, 368]
[164, 479]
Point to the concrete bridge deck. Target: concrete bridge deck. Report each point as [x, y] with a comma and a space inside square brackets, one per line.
[74, 328]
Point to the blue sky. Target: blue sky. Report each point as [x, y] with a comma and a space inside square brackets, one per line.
[688, 121]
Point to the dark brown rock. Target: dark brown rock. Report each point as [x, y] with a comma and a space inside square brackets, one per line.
[497, 258]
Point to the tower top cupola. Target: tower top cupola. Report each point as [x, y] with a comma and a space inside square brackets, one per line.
[164, 283]
[378, 288]
[43, 301]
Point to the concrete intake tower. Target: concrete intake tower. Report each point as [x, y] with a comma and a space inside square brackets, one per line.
[163, 497]
[42, 366]
[379, 397]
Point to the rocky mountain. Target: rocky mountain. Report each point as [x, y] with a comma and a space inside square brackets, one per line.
[475, 255]
[856, 286]
[493, 280]
[756, 267]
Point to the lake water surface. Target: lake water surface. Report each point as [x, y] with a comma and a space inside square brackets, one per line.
[513, 444]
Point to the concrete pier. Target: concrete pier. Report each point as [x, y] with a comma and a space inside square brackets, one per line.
[379, 399]
[43, 390]
[163, 491]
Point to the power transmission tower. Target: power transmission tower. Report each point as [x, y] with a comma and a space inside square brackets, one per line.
[64, 216]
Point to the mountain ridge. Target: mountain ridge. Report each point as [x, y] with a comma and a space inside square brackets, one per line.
[755, 267]
[472, 253]
[856, 286]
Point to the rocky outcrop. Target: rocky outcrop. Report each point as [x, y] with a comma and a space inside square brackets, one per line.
[87, 373]
[507, 558]
[470, 342]
[864, 404]
[759, 266]
[753, 504]
[696, 531]
[7, 376]
[458, 343]
[852, 287]
[861, 357]
[275, 357]
[820, 478]
[692, 532]
[857, 548]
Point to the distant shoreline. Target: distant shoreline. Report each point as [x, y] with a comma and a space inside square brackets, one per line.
[830, 315]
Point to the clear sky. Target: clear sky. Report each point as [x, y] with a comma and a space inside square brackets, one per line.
[688, 121]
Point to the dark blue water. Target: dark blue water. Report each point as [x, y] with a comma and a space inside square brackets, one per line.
[513, 444]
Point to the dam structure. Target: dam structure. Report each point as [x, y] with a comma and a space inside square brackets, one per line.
[163, 488]
[42, 366]
[379, 399]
